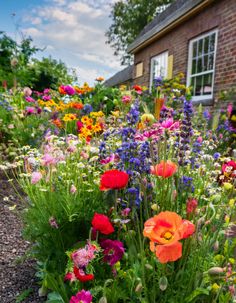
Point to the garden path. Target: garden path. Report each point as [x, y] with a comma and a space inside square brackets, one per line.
[17, 275]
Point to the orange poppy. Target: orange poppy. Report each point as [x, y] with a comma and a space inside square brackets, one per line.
[164, 169]
[165, 230]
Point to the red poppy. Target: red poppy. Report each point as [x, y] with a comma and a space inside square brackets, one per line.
[165, 230]
[164, 169]
[81, 276]
[102, 223]
[137, 88]
[114, 179]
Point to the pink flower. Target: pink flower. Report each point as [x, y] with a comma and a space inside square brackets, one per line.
[82, 297]
[84, 155]
[191, 205]
[125, 212]
[199, 139]
[126, 99]
[170, 124]
[46, 97]
[70, 276]
[83, 256]
[48, 159]
[27, 91]
[29, 99]
[73, 189]
[52, 221]
[109, 159]
[46, 91]
[30, 110]
[113, 251]
[36, 177]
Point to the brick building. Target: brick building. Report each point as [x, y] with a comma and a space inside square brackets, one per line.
[196, 37]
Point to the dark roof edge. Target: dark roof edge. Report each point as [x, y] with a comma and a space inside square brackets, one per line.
[183, 10]
[121, 76]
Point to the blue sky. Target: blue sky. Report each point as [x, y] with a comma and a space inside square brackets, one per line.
[70, 30]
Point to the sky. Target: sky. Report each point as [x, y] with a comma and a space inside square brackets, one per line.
[70, 30]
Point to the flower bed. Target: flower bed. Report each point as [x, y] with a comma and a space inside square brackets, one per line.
[125, 205]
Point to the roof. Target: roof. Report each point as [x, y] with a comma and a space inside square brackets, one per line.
[171, 14]
[120, 77]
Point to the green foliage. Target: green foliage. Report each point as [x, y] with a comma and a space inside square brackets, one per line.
[128, 20]
[23, 295]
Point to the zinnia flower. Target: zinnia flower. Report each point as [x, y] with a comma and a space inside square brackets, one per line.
[102, 223]
[114, 179]
[113, 251]
[82, 297]
[165, 230]
[164, 169]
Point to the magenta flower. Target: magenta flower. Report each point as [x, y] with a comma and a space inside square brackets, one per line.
[83, 256]
[82, 297]
[69, 90]
[170, 124]
[36, 177]
[46, 97]
[29, 99]
[30, 110]
[113, 251]
[126, 99]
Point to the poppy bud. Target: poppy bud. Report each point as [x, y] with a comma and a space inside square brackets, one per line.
[139, 287]
[103, 300]
[163, 283]
[216, 271]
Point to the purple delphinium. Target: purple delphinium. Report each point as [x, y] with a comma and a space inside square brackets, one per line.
[186, 184]
[186, 132]
[113, 251]
[133, 114]
[158, 81]
[82, 296]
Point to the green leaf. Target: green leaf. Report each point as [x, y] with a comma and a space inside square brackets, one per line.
[21, 297]
[54, 297]
[197, 292]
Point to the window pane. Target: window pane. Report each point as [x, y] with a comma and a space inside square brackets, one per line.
[195, 49]
[200, 47]
[212, 43]
[199, 65]
[198, 90]
[207, 84]
[206, 45]
[205, 63]
[210, 61]
[194, 66]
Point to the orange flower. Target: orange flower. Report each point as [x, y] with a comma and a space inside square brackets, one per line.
[164, 169]
[100, 79]
[76, 105]
[165, 230]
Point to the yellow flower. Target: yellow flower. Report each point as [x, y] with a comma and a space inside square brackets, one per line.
[69, 117]
[231, 203]
[215, 287]
[116, 113]
[233, 118]
[96, 128]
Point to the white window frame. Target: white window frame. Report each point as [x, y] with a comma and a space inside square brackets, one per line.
[166, 54]
[190, 61]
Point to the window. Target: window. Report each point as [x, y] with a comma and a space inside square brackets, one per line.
[201, 65]
[139, 70]
[159, 67]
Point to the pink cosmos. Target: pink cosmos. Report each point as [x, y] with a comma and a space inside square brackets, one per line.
[113, 251]
[126, 99]
[46, 97]
[36, 177]
[109, 159]
[170, 124]
[82, 297]
[73, 189]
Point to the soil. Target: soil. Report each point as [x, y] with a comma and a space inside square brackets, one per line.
[17, 274]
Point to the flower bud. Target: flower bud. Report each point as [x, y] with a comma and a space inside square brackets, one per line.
[216, 271]
[139, 287]
[163, 283]
[148, 266]
[103, 300]
[154, 207]
[228, 186]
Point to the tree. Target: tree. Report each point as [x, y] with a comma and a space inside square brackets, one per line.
[128, 20]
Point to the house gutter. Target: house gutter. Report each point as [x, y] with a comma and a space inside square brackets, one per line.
[176, 18]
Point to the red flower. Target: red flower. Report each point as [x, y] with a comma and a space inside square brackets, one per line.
[82, 276]
[229, 169]
[102, 223]
[137, 88]
[114, 179]
[164, 169]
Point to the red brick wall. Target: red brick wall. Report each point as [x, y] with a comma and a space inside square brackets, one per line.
[221, 14]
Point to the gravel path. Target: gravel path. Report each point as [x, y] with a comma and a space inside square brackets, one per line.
[17, 276]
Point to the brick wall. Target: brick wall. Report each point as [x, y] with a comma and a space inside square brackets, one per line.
[221, 14]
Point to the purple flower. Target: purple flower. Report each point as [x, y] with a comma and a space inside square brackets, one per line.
[113, 251]
[46, 97]
[82, 296]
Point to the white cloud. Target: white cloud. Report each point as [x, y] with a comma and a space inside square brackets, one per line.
[74, 31]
